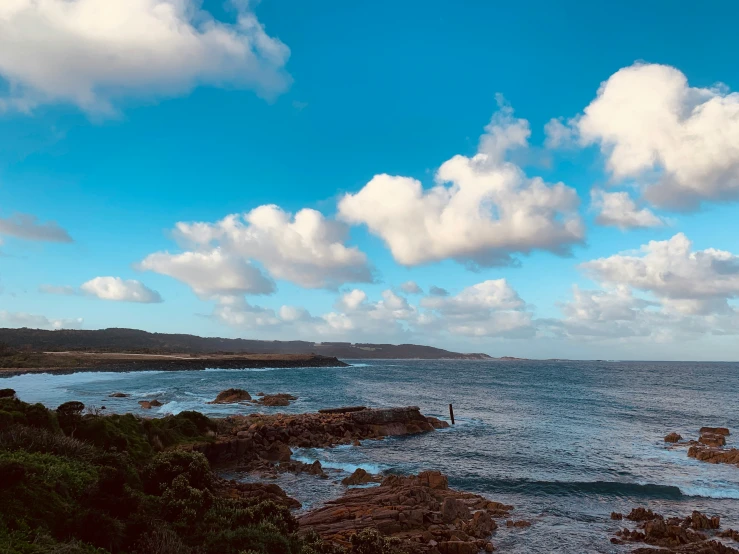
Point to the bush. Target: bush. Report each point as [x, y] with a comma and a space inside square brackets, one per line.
[21, 437]
[15, 412]
[167, 466]
[370, 541]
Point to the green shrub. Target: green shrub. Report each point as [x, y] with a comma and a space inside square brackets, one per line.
[167, 466]
[15, 412]
[370, 541]
[263, 539]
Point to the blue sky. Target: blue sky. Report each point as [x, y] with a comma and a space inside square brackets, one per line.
[117, 133]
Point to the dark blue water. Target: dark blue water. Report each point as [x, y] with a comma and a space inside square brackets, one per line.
[566, 443]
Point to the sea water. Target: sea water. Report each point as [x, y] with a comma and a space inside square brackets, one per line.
[565, 442]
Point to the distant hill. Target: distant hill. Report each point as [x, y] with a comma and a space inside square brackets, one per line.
[133, 340]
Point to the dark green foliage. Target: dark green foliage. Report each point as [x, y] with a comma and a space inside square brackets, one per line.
[369, 541]
[7, 393]
[74, 483]
[15, 412]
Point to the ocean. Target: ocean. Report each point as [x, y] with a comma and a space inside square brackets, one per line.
[564, 442]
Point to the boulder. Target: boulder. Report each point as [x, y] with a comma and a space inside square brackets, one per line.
[280, 399]
[518, 524]
[277, 452]
[231, 396]
[118, 395]
[712, 439]
[715, 430]
[673, 437]
[359, 477]
[149, 404]
[453, 509]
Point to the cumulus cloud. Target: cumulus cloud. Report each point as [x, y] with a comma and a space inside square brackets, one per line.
[306, 249]
[22, 319]
[689, 281]
[559, 134]
[115, 288]
[680, 143]
[488, 309]
[482, 210]
[28, 227]
[664, 292]
[411, 287]
[210, 273]
[617, 209]
[92, 53]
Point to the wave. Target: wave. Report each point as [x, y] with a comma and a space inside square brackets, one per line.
[580, 488]
[347, 467]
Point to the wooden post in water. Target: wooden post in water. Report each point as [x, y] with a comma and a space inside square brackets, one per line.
[451, 413]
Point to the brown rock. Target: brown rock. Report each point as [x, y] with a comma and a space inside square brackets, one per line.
[118, 395]
[715, 430]
[360, 477]
[617, 516]
[518, 524]
[453, 509]
[149, 404]
[231, 396]
[277, 452]
[712, 439]
[276, 399]
[699, 521]
[673, 437]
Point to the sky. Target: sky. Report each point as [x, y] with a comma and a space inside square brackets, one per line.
[537, 179]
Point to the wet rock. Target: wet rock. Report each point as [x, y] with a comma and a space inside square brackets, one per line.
[642, 514]
[277, 452]
[280, 399]
[360, 477]
[714, 455]
[421, 510]
[715, 430]
[518, 524]
[231, 396]
[712, 439]
[437, 423]
[118, 395]
[699, 521]
[617, 516]
[673, 437]
[149, 404]
[729, 534]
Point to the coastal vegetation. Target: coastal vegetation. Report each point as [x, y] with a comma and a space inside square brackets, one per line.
[75, 482]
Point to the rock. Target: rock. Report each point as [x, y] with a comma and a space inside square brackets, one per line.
[712, 439]
[276, 399]
[518, 524]
[673, 437]
[699, 521]
[360, 477]
[642, 514]
[434, 480]
[729, 534]
[715, 430]
[277, 452]
[437, 423]
[617, 516]
[453, 509]
[231, 396]
[714, 455]
[422, 511]
[7, 393]
[118, 395]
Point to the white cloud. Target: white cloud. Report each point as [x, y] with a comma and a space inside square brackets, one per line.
[488, 309]
[690, 281]
[27, 227]
[558, 134]
[306, 249]
[92, 53]
[237, 312]
[482, 210]
[352, 300]
[411, 287]
[115, 288]
[210, 273]
[22, 319]
[680, 143]
[617, 209]
[63, 290]
[685, 295]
